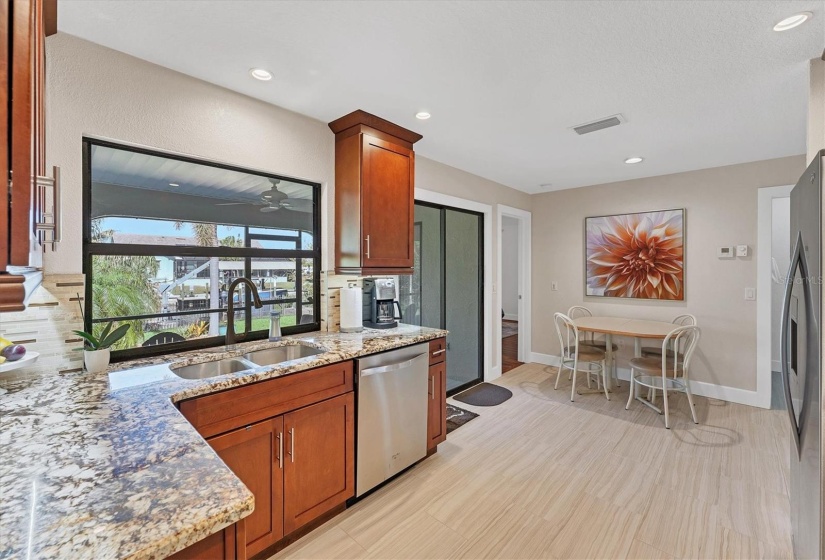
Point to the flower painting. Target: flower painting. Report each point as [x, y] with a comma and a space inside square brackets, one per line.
[636, 255]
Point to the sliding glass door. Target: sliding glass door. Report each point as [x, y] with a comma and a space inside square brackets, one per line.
[446, 288]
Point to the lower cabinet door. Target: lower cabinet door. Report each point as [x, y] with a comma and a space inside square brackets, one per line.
[437, 411]
[254, 455]
[319, 462]
[218, 546]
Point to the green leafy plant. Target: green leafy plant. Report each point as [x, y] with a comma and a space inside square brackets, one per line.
[106, 339]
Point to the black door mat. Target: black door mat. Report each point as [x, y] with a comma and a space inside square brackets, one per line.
[484, 394]
[457, 417]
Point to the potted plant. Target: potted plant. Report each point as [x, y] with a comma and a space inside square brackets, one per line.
[96, 351]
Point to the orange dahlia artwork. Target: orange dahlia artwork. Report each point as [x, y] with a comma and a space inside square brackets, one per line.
[637, 255]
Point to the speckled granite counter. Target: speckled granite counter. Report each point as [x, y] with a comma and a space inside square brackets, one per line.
[104, 466]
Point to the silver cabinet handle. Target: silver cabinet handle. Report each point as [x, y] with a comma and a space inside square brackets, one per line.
[368, 246]
[48, 221]
[438, 352]
[292, 444]
[280, 437]
[432, 387]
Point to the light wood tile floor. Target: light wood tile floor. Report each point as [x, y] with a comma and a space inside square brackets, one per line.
[541, 477]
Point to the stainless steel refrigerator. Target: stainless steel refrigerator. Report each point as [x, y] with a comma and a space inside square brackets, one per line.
[801, 352]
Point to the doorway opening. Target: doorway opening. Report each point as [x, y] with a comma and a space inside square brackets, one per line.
[514, 254]
[510, 295]
[773, 260]
[446, 289]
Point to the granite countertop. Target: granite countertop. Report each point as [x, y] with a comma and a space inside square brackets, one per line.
[104, 466]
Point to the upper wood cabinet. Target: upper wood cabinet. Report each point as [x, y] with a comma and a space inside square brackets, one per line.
[374, 195]
[29, 215]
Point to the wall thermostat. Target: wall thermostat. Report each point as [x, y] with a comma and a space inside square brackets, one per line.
[725, 252]
[741, 250]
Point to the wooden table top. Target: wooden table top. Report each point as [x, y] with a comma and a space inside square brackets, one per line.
[638, 328]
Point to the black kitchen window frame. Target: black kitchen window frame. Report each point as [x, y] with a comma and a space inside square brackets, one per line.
[91, 249]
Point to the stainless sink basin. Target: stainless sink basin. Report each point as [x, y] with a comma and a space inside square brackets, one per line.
[212, 369]
[280, 354]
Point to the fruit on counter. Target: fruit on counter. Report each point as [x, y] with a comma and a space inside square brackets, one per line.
[5, 342]
[13, 352]
[2, 359]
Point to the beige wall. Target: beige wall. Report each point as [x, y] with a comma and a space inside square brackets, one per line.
[721, 210]
[96, 91]
[816, 107]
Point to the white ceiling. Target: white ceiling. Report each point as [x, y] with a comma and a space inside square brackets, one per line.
[702, 84]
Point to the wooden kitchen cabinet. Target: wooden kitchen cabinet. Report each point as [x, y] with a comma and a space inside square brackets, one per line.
[437, 403]
[29, 215]
[255, 455]
[291, 441]
[374, 195]
[319, 470]
[218, 546]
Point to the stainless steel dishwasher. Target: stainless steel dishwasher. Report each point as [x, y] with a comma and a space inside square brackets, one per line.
[392, 414]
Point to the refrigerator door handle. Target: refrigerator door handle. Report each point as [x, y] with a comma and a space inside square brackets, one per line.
[797, 261]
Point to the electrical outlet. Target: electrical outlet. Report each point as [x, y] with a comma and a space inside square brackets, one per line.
[554, 286]
[750, 294]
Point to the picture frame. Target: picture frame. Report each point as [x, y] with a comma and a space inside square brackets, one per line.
[636, 255]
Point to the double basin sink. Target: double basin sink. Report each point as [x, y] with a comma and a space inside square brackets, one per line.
[266, 357]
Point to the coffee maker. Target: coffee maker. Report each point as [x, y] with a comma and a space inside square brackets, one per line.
[380, 303]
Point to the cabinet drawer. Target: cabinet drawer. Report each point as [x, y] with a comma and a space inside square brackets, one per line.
[225, 411]
[438, 350]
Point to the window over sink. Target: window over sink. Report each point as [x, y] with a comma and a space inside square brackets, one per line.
[165, 235]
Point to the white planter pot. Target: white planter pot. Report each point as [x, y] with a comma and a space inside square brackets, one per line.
[96, 360]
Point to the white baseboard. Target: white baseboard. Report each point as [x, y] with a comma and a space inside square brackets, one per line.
[546, 359]
[495, 372]
[701, 388]
[775, 365]
[510, 317]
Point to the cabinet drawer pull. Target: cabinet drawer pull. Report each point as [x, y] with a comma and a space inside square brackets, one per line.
[292, 444]
[280, 437]
[439, 352]
[53, 223]
[368, 246]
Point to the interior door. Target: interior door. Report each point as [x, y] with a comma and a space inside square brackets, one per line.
[254, 453]
[387, 214]
[319, 465]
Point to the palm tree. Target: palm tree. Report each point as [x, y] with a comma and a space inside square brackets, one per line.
[123, 287]
[206, 235]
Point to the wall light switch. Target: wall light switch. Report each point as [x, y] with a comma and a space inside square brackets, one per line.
[741, 250]
[750, 294]
[554, 286]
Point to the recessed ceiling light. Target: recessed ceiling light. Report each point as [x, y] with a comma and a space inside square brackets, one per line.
[174, 185]
[634, 159]
[793, 21]
[422, 115]
[260, 74]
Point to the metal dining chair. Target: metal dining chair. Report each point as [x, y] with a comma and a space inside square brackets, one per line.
[667, 373]
[578, 357]
[685, 320]
[589, 338]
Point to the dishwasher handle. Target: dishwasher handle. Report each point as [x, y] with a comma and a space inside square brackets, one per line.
[390, 367]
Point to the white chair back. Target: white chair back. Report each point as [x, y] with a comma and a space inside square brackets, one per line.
[578, 311]
[685, 320]
[568, 335]
[685, 340]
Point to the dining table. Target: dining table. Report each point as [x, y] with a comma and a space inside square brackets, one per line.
[638, 329]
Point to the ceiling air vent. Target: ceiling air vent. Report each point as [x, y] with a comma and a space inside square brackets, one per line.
[600, 124]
